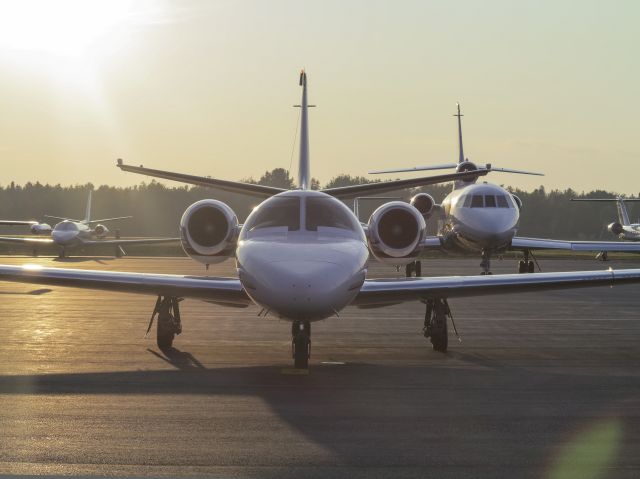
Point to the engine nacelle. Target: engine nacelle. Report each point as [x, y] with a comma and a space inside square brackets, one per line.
[395, 232]
[424, 203]
[41, 229]
[518, 201]
[101, 231]
[615, 228]
[209, 231]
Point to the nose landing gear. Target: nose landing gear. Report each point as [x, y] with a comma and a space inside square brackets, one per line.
[301, 344]
[485, 264]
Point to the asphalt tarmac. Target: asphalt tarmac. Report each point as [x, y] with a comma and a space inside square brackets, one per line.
[542, 385]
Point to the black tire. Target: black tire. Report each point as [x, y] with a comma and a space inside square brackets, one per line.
[531, 267]
[409, 270]
[522, 267]
[418, 269]
[301, 343]
[165, 333]
[439, 336]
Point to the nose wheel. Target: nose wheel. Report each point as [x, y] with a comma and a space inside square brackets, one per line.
[485, 264]
[301, 344]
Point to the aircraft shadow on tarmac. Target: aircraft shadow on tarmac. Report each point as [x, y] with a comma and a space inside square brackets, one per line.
[470, 418]
[84, 259]
[35, 292]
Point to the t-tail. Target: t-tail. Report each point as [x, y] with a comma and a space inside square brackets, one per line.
[304, 171]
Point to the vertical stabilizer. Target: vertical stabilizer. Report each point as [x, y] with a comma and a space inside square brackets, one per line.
[304, 175]
[623, 215]
[87, 214]
[460, 149]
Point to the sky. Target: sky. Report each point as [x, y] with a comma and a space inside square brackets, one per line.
[207, 87]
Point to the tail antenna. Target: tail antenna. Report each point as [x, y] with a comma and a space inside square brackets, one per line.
[461, 150]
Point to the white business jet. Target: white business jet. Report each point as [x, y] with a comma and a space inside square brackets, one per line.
[483, 218]
[70, 233]
[302, 256]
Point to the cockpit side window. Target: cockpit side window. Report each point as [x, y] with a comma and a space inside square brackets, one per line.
[276, 212]
[489, 201]
[477, 201]
[329, 213]
[502, 201]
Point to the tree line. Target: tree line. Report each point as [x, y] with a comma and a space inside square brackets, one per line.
[156, 208]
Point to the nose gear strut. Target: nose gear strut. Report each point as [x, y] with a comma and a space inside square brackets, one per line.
[301, 344]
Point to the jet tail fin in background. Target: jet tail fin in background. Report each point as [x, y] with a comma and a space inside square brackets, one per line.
[623, 214]
[87, 214]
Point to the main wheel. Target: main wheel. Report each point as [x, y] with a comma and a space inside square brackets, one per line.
[301, 344]
[418, 268]
[522, 266]
[165, 333]
[438, 329]
[531, 267]
[409, 268]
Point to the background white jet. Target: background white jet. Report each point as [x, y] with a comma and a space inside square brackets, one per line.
[70, 233]
[303, 256]
[483, 218]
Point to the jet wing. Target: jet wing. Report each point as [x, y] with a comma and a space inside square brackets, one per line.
[26, 240]
[383, 292]
[227, 291]
[232, 186]
[519, 243]
[17, 223]
[125, 242]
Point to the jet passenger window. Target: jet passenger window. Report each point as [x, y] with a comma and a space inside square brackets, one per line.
[490, 201]
[276, 212]
[328, 212]
[502, 201]
[477, 201]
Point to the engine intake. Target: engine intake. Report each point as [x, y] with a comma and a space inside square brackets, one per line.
[615, 228]
[424, 203]
[100, 231]
[208, 231]
[396, 230]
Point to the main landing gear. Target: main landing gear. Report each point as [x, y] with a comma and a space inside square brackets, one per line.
[526, 265]
[301, 344]
[485, 264]
[169, 325]
[414, 269]
[435, 323]
[602, 256]
[63, 253]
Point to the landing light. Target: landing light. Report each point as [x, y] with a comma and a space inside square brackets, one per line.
[32, 267]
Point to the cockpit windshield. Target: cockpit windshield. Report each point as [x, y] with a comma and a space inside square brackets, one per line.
[283, 212]
[328, 213]
[486, 201]
[66, 226]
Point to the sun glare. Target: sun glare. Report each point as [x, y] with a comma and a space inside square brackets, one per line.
[67, 28]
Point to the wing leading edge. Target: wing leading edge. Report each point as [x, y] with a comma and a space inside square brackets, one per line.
[382, 292]
[519, 243]
[219, 290]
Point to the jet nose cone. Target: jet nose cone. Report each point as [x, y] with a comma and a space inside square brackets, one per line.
[303, 289]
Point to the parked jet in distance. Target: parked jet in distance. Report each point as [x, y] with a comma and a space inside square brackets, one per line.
[70, 233]
[623, 228]
[35, 227]
[483, 218]
[302, 256]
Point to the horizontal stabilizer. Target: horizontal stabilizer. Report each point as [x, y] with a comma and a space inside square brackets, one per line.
[232, 186]
[487, 168]
[110, 219]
